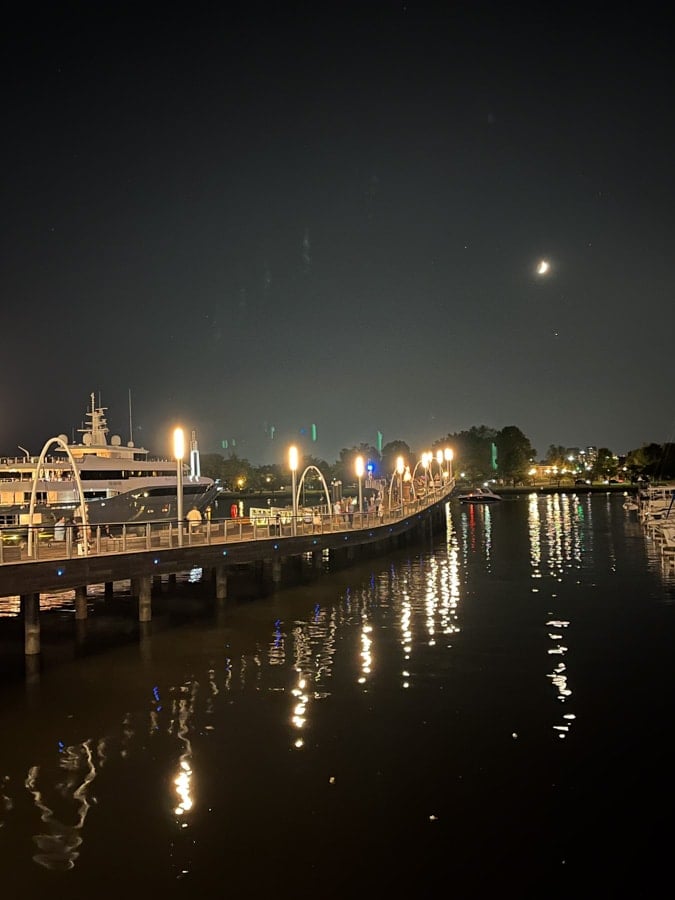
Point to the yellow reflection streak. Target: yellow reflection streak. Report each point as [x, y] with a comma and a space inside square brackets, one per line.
[183, 779]
[366, 655]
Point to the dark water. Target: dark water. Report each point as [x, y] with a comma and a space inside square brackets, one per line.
[490, 713]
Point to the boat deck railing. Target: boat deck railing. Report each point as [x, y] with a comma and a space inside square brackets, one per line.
[67, 541]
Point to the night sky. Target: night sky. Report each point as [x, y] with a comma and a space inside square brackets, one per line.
[261, 217]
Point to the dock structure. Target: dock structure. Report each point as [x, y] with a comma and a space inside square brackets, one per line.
[654, 506]
[219, 547]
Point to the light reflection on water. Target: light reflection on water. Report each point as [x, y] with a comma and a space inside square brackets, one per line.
[414, 678]
[64, 815]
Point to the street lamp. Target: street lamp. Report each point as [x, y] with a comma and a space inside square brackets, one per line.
[359, 474]
[448, 454]
[439, 460]
[179, 453]
[293, 466]
[400, 468]
[426, 459]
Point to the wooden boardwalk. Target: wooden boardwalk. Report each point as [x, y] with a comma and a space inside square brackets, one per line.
[61, 565]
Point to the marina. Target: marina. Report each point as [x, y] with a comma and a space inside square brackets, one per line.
[654, 507]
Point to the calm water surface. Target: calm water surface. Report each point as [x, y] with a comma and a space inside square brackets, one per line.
[487, 713]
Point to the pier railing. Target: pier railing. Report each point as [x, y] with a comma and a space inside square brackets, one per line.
[68, 541]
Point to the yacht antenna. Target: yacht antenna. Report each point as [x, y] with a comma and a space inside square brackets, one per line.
[131, 427]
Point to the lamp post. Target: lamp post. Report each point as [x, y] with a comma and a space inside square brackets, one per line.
[293, 466]
[426, 458]
[400, 467]
[359, 474]
[439, 460]
[179, 453]
[448, 454]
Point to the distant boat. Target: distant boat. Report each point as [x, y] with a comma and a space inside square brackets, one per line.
[479, 495]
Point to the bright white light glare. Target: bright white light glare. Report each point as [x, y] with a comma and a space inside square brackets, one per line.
[178, 443]
[543, 267]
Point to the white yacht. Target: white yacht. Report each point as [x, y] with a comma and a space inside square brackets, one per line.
[120, 483]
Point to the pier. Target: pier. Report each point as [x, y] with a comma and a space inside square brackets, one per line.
[156, 551]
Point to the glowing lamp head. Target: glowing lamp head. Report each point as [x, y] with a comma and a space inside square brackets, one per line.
[178, 443]
[359, 466]
[448, 454]
[293, 459]
[400, 465]
[439, 457]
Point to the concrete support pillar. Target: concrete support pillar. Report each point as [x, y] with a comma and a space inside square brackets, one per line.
[32, 669]
[81, 602]
[172, 581]
[108, 590]
[317, 559]
[80, 632]
[30, 606]
[145, 642]
[157, 584]
[276, 570]
[221, 582]
[144, 598]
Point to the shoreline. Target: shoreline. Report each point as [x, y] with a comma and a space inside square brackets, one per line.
[622, 488]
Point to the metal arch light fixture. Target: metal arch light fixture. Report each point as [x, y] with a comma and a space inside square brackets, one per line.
[293, 466]
[400, 467]
[426, 462]
[323, 482]
[31, 509]
[179, 453]
[420, 462]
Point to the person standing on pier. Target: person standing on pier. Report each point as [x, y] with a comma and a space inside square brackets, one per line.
[194, 518]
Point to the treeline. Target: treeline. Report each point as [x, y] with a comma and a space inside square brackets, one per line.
[479, 453]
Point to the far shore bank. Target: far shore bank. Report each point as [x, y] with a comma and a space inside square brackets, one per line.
[313, 497]
[621, 488]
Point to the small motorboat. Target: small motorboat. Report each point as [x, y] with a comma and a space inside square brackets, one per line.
[479, 495]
